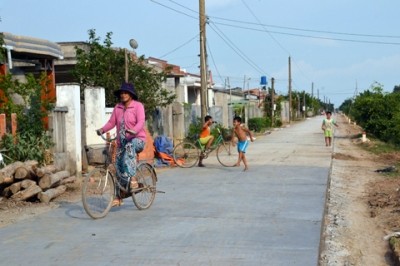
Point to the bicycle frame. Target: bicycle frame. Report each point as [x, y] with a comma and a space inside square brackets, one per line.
[102, 184]
[214, 145]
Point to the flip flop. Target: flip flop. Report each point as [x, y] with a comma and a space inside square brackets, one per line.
[134, 184]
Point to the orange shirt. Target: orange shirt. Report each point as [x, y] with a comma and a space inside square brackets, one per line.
[205, 132]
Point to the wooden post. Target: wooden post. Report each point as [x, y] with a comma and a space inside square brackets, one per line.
[2, 125]
[14, 126]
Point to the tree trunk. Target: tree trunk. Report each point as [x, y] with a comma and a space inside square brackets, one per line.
[27, 183]
[68, 180]
[26, 171]
[49, 169]
[50, 180]
[51, 193]
[7, 173]
[7, 192]
[14, 188]
[26, 193]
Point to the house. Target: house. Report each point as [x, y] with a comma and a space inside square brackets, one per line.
[31, 55]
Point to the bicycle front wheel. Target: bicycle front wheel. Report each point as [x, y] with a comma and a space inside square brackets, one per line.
[144, 196]
[227, 154]
[186, 154]
[98, 193]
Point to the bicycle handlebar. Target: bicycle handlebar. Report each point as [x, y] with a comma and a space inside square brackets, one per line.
[99, 133]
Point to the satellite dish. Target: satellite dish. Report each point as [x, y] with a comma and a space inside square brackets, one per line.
[133, 43]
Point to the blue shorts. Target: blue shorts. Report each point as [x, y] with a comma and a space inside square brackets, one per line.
[242, 146]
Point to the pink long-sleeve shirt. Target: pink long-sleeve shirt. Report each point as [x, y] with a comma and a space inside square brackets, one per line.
[134, 120]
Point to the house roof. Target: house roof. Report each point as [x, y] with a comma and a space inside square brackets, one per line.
[26, 48]
[172, 70]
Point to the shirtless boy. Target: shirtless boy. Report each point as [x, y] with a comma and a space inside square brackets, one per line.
[241, 133]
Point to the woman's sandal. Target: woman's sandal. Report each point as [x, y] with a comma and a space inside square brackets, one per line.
[117, 202]
[134, 184]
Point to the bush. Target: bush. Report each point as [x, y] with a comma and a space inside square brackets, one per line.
[258, 124]
[195, 129]
[278, 123]
[27, 147]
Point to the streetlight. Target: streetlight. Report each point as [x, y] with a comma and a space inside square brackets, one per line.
[133, 43]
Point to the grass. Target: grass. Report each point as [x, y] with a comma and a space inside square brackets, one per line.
[377, 147]
[387, 152]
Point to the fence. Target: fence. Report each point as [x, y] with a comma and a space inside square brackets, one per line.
[59, 129]
[8, 127]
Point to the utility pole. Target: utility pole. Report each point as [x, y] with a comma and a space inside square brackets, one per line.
[244, 87]
[312, 90]
[203, 64]
[290, 91]
[304, 104]
[272, 101]
[126, 66]
[230, 90]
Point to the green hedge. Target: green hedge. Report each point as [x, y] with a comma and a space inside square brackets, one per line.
[258, 124]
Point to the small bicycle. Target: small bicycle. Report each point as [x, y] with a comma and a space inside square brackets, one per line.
[100, 185]
[187, 153]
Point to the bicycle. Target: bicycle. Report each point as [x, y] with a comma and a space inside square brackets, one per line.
[187, 153]
[100, 186]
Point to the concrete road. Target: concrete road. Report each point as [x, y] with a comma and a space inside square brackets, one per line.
[269, 215]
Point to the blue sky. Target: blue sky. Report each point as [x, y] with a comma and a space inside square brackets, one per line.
[340, 46]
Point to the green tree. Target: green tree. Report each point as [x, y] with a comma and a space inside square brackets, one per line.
[375, 111]
[396, 89]
[100, 65]
[2, 50]
[345, 107]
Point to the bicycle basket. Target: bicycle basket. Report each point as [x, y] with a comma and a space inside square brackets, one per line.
[97, 153]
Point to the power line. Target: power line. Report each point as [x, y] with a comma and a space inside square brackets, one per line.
[310, 36]
[265, 29]
[309, 30]
[180, 12]
[215, 65]
[235, 48]
[291, 28]
[185, 7]
[180, 46]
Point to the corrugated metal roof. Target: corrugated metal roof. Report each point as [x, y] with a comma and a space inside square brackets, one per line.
[34, 46]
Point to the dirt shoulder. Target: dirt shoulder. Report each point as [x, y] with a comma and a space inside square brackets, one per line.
[14, 211]
[361, 203]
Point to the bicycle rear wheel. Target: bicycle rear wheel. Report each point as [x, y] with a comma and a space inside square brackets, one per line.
[227, 154]
[98, 193]
[144, 196]
[186, 154]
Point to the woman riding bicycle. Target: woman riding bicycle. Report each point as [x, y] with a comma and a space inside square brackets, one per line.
[129, 118]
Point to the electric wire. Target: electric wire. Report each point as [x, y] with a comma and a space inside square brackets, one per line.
[173, 9]
[290, 28]
[312, 37]
[180, 46]
[235, 48]
[308, 30]
[215, 65]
